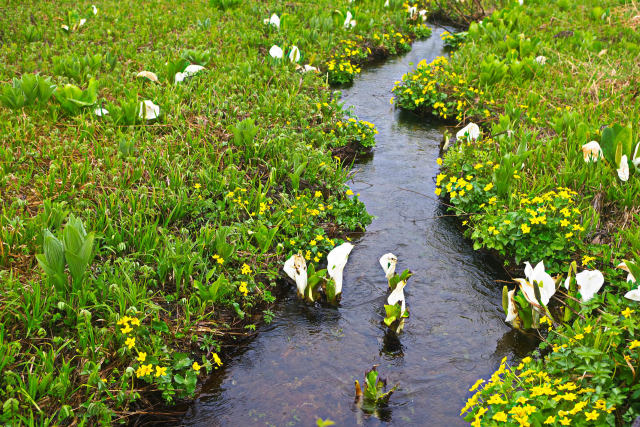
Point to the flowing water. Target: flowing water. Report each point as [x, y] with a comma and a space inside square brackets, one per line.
[303, 365]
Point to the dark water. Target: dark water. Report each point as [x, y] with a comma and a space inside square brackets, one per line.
[303, 365]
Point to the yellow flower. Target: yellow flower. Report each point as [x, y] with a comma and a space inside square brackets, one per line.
[243, 288]
[144, 370]
[500, 416]
[579, 337]
[142, 356]
[127, 328]
[216, 359]
[196, 366]
[130, 342]
[245, 269]
[496, 399]
[349, 192]
[196, 186]
[587, 259]
[439, 161]
[551, 419]
[525, 228]
[627, 312]
[592, 416]
[587, 329]
[634, 344]
[292, 242]
[565, 421]
[160, 371]
[318, 194]
[488, 187]
[438, 191]
[313, 243]
[476, 384]
[135, 321]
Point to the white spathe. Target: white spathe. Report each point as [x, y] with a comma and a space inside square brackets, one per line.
[191, 70]
[100, 112]
[149, 110]
[546, 284]
[65, 27]
[386, 3]
[589, 283]
[94, 9]
[624, 267]
[274, 20]
[82, 22]
[398, 296]
[635, 159]
[276, 52]
[512, 312]
[423, 14]
[412, 11]
[294, 55]
[296, 269]
[633, 295]
[148, 75]
[592, 152]
[541, 59]
[388, 263]
[307, 68]
[471, 131]
[349, 22]
[336, 260]
[623, 171]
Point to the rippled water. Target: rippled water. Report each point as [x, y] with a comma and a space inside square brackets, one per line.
[303, 365]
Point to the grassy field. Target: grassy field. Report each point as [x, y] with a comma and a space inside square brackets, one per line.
[136, 244]
[553, 177]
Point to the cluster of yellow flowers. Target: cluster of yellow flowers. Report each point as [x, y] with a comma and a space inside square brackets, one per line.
[529, 385]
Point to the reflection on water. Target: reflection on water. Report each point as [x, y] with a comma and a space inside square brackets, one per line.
[303, 365]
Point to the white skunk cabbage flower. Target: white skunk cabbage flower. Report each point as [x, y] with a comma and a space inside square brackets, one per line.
[520, 2]
[541, 60]
[149, 110]
[296, 269]
[94, 9]
[336, 260]
[82, 22]
[276, 52]
[546, 284]
[308, 68]
[589, 283]
[64, 27]
[386, 3]
[148, 75]
[398, 296]
[423, 14]
[100, 112]
[412, 11]
[274, 20]
[349, 22]
[635, 159]
[471, 131]
[294, 55]
[624, 267]
[512, 312]
[388, 263]
[191, 70]
[623, 172]
[592, 152]
[633, 295]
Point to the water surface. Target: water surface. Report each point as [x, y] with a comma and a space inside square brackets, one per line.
[303, 365]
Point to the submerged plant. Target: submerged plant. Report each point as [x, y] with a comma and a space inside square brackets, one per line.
[374, 394]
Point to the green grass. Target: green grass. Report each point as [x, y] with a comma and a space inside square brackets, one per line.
[130, 250]
[525, 192]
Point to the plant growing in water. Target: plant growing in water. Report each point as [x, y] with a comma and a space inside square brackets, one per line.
[374, 395]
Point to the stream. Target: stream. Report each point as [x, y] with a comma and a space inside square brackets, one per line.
[303, 365]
